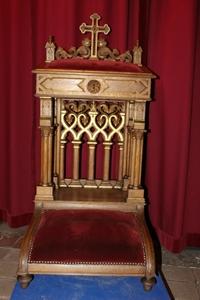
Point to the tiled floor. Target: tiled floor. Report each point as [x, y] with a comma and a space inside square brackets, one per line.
[181, 272]
[9, 252]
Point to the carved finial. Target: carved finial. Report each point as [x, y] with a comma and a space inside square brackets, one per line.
[50, 50]
[93, 107]
[94, 48]
[95, 29]
[137, 54]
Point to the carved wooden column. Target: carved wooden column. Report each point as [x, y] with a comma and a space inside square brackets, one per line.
[106, 165]
[61, 163]
[46, 155]
[135, 137]
[76, 156]
[121, 148]
[91, 165]
[136, 156]
[57, 141]
[132, 157]
[127, 145]
[45, 189]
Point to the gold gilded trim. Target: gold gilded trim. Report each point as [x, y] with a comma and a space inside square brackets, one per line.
[93, 118]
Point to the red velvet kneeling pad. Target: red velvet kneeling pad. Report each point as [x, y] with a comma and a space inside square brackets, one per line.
[87, 236]
[95, 65]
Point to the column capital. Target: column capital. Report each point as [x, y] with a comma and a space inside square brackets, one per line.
[138, 133]
[46, 131]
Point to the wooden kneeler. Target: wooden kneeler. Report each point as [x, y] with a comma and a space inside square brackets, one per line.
[89, 205]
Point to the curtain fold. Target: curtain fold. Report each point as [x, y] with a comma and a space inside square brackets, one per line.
[169, 33]
[172, 45]
[16, 129]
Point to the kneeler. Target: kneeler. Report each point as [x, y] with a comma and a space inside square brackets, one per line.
[89, 205]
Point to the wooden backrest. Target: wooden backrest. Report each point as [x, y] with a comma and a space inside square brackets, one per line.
[92, 117]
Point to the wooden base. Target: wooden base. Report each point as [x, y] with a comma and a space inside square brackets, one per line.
[44, 193]
[90, 194]
[24, 280]
[148, 283]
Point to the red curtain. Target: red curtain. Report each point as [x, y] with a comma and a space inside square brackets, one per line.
[168, 31]
[173, 141]
[17, 111]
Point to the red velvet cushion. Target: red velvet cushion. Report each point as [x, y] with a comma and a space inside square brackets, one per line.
[95, 65]
[87, 236]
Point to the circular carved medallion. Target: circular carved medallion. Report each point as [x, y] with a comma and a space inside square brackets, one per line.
[93, 86]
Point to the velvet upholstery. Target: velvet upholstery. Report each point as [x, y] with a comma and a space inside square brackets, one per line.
[93, 65]
[87, 236]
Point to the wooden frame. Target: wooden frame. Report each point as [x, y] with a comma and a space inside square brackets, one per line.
[130, 88]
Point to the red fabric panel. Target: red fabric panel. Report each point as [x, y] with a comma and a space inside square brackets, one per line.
[169, 33]
[191, 217]
[99, 157]
[17, 153]
[51, 18]
[84, 158]
[114, 164]
[87, 236]
[171, 55]
[15, 221]
[100, 65]
[69, 155]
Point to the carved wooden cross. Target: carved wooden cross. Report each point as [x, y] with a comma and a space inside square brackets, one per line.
[95, 29]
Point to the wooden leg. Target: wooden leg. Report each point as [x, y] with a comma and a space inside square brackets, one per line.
[24, 280]
[148, 283]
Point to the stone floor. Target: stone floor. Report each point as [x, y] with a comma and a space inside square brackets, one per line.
[181, 272]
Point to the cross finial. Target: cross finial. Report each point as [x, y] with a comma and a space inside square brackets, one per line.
[95, 29]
